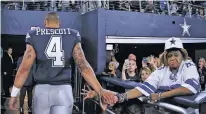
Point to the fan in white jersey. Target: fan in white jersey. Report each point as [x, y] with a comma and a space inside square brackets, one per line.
[178, 76]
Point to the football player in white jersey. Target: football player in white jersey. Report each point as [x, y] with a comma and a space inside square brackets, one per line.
[178, 76]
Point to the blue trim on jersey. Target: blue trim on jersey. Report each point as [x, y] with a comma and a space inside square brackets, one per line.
[150, 86]
[175, 86]
[164, 88]
[167, 88]
[145, 88]
[193, 83]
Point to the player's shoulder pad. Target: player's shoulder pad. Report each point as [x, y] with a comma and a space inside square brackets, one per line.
[30, 32]
[161, 68]
[74, 32]
[189, 63]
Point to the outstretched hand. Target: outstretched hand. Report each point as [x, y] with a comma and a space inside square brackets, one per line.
[91, 94]
[88, 93]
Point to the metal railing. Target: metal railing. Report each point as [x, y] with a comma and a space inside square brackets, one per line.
[162, 7]
[185, 9]
[50, 5]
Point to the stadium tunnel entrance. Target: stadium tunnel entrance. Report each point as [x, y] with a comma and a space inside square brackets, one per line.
[146, 46]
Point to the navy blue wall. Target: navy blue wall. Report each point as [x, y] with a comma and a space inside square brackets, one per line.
[124, 23]
[89, 36]
[19, 22]
[93, 34]
[95, 25]
[101, 41]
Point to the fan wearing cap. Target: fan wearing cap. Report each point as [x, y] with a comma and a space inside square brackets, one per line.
[113, 67]
[178, 76]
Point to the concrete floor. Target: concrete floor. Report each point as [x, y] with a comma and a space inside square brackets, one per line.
[6, 109]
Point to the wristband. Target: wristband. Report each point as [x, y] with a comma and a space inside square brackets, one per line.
[14, 91]
[159, 96]
[122, 97]
[100, 93]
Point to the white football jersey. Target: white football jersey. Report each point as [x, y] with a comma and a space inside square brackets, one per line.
[163, 79]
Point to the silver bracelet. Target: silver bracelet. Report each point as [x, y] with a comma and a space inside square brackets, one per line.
[159, 96]
[100, 93]
[122, 97]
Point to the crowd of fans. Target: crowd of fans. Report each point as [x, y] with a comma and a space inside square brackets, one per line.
[49, 5]
[130, 71]
[189, 9]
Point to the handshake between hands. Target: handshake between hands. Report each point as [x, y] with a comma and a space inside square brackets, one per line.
[105, 97]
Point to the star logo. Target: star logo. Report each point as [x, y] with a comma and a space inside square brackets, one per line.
[27, 35]
[173, 41]
[185, 28]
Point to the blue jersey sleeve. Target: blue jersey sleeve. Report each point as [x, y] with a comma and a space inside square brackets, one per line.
[28, 39]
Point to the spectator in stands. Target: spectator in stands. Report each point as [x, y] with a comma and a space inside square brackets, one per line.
[197, 14]
[113, 70]
[53, 6]
[173, 8]
[12, 6]
[132, 57]
[46, 5]
[27, 87]
[152, 62]
[163, 6]
[113, 59]
[145, 72]
[129, 70]
[113, 67]
[7, 71]
[202, 15]
[202, 72]
[150, 7]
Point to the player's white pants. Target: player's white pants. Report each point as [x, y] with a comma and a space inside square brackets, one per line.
[52, 99]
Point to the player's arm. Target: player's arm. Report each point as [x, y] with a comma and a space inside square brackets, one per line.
[24, 69]
[85, 68]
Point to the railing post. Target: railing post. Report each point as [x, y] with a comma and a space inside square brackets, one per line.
[99, 3]
[140, 5]
[168, 8]
[108, 4]
[190, 10]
